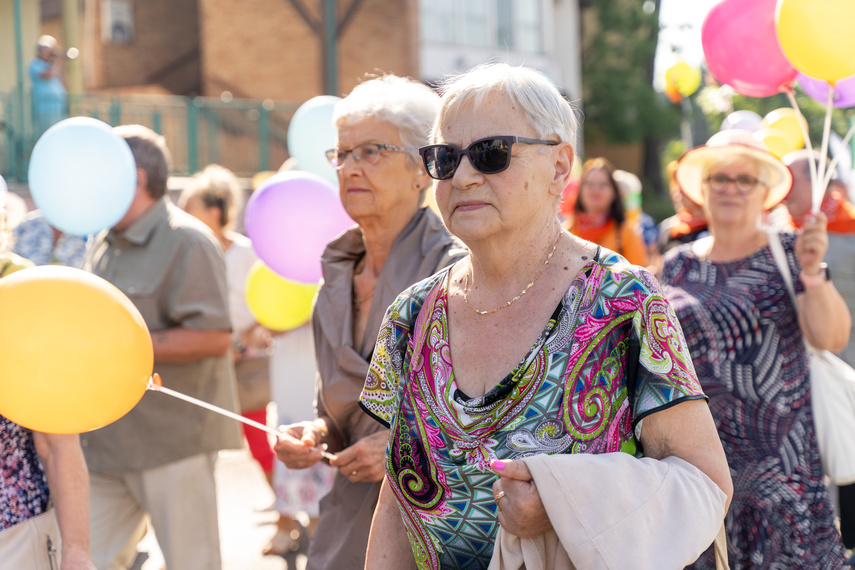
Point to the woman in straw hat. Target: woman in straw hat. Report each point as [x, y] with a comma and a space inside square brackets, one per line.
[746, 337]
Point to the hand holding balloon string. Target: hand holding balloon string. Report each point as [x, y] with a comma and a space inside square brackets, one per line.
[155, 384]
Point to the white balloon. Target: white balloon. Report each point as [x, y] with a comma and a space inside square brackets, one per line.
[743, 120]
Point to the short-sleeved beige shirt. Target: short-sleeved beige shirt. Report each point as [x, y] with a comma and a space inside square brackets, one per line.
[171, 266]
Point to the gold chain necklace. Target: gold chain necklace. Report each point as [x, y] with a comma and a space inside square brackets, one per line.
[523, 292]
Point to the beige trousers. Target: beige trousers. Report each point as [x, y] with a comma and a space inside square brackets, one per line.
[180, 498]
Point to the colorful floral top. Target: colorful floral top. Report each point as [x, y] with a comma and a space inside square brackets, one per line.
[611, 354]
[23, 485]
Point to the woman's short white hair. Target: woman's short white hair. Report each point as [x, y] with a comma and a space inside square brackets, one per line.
[406, 104]
[543, 105]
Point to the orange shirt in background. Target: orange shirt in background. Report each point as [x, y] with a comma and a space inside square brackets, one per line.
[624, 240]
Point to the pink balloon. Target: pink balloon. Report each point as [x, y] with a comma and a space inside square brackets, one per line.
[290, 219]
[742, 50]
[844, 90]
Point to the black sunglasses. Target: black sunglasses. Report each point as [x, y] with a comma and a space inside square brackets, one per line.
[488, 156]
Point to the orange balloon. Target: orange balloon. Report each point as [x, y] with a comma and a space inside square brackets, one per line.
[77, 354]
[673, 94]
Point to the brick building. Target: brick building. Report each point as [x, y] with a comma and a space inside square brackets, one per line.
[274, 49]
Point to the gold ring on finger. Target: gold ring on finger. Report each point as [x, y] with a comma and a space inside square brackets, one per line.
[498, 497]
[353, 473]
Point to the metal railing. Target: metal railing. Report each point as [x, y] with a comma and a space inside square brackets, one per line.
[244, 135]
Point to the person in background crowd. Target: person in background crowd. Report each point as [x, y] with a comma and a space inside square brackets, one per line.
[747, 340]
[396, 242]
[49, 97]
[688, 224]
[38, 469]
[629, 186]
[480, 375]
[158, 461]
[214, 196]
[840, 258]
[35, 239]
[599, 217]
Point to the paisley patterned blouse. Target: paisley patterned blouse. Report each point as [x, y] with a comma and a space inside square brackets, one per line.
[23, 485]
[611, 354]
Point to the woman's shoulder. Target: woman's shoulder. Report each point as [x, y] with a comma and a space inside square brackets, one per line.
[788, 239]
[614, 269]
[407, 305]
[684, 253]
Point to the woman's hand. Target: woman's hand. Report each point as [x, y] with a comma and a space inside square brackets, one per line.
[365, 460]
[812, 243]
[521, 511]
[297, 445]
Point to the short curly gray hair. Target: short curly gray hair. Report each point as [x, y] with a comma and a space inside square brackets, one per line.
[543, 105]
[408, 105]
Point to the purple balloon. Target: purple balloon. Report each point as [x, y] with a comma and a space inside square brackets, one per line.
[290, 219]
[844, 90]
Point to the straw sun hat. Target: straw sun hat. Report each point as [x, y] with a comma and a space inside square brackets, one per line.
[726, 145]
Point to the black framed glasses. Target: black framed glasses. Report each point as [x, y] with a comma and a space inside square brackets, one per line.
[490, 155]
[744, 183]
[369, 152]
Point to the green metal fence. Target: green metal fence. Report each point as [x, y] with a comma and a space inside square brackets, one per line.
[244, 135]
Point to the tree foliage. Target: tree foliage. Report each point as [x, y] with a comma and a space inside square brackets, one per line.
[617, 71]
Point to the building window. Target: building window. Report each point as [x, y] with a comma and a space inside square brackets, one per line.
[117, 21]
[506, 24]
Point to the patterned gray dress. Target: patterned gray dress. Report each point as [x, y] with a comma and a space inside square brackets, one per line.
[743, 334]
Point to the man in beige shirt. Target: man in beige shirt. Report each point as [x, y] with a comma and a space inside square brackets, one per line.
[158, 460]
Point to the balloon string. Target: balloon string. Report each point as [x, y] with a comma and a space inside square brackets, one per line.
[833, 166]
[155, 387]
[819, 191]
[800, 119]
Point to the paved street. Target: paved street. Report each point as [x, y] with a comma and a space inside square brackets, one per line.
[245, 525]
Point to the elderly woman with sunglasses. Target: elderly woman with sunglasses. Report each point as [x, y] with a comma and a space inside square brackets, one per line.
[746, 336]
[541, 385]
[396, 243]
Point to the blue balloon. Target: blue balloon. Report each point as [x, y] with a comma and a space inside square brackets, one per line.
[82, 176]
[311, 133]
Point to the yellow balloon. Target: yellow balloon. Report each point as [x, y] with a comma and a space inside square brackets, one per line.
[77, 354]
[275, 302]
[786, 121]
[685, 78]
[816, 36]
[776, 141]
[260, 177]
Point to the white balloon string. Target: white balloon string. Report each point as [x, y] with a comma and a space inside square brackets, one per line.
[800, 119]
[202, 404]
[832, 168]
[819, 191]
[213, 408]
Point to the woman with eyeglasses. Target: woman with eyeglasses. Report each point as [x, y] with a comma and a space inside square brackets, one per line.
[396, 242]
[598, 213]
[540, 386]
[746, 336]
